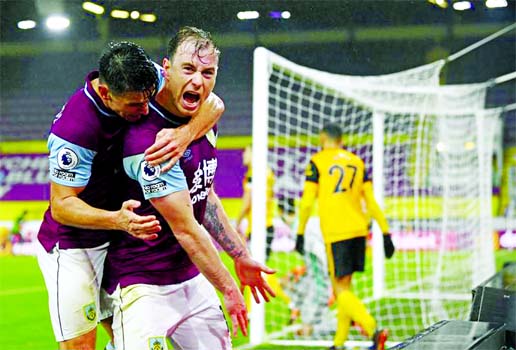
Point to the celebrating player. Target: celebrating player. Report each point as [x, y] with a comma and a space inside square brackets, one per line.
[85, 173]
[338, 180]
[158, 290]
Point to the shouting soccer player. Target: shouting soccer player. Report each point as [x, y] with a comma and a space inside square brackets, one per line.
[160, 286]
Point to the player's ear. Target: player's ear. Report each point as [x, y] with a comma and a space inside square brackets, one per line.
[103, 92]
[166, 66]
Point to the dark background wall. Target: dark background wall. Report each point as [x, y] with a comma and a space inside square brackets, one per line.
[39, 70]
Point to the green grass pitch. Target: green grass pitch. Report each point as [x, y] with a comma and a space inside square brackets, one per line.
[24, 319]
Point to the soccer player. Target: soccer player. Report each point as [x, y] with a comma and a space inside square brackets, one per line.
[158, 290]
[338, 180]
[86, 193]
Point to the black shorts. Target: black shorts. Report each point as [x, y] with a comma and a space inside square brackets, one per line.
[346, 257]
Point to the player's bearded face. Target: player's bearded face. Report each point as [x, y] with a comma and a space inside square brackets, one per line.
[191, 76]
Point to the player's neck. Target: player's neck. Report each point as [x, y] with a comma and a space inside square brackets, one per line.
[332, 145]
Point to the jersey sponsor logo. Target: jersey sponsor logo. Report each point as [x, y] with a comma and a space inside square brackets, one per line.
[200, 196]
[156, 343]
[204, 175]
[90, 312]
[155, 187]
[67, 159]
[150, 172]
[63, 175]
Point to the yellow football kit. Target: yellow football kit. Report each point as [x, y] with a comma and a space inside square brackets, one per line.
[337, 179]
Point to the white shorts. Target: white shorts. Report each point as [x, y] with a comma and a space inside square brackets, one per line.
[189, 314]
[73, 278]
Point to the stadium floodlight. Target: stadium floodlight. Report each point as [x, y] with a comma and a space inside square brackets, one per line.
[245, 15]
[93, 8]
[441, 3]
[496, 3]
[26, 24]
[462, 5]
[135, 15]
[57, 22]
[122, 14]
[279, 14]
[148, 17]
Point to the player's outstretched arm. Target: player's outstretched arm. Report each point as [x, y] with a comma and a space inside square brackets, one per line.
[69, 209]
[170, 144]
[177, 209]
[248, 270]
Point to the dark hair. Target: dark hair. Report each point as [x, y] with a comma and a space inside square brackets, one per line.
[125, 67]
[201, 38]
[333, 130]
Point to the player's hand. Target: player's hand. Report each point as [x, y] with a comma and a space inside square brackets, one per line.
[170, 144]
[388, 246]
[143, 227]
[235, 307]
[249, 272]
[300, 244]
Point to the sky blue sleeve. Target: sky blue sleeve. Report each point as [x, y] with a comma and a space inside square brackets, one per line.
[69, 164]
[154, 184]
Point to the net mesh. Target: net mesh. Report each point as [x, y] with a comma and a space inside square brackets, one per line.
[435, 171]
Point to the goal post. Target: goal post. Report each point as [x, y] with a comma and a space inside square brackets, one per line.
[259, 162]
[428, 150]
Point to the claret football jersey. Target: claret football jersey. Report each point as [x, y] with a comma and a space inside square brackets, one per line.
[84, 151]
[161, 261]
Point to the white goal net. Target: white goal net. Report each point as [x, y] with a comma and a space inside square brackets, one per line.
[429, 151]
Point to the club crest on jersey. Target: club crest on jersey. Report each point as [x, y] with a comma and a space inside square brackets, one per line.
[150, 172]
[67, 159]
[157, 343]
[90, 312]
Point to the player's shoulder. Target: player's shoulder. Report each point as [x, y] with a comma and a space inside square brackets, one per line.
[80, 105]
[77, 120]
[141, 135]
[352, 156]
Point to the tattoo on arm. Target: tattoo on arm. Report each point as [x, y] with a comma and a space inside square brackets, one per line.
[216, 229]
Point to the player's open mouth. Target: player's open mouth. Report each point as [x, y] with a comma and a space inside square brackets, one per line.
[191, 99]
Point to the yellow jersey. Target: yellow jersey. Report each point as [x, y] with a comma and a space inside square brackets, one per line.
[337, 179]
[269, 197]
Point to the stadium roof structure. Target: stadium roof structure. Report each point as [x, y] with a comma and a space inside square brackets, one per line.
[221, 16]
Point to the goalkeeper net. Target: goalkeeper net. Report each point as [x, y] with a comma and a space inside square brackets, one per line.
[429, 151]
